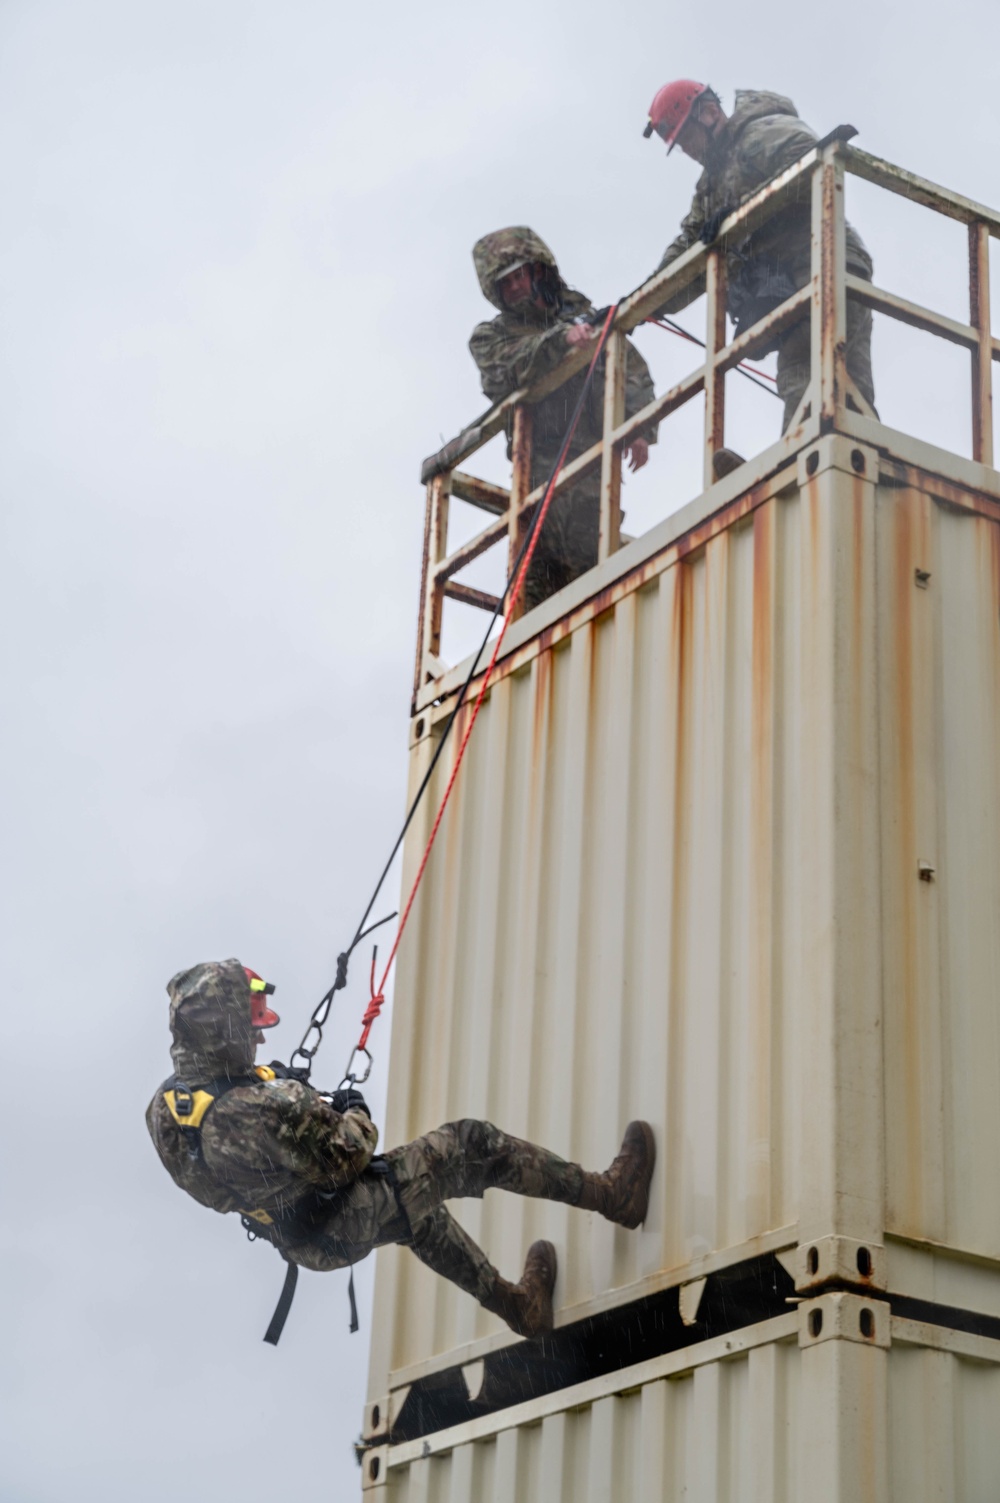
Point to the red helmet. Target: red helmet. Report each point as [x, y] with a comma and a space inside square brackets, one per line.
[261, 1015]
[671, 107]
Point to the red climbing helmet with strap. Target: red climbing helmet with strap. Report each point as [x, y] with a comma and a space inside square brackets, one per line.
[261, 1016]
[671, 107]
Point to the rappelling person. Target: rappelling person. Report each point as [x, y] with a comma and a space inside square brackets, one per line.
[299, 1165]
[739, 153]
[540, 321]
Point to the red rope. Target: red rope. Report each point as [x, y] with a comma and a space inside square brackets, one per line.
[374, 1005]
[377, 997]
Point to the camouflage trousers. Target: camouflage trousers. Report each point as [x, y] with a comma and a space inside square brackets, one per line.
[793, 358]
[567, 544]
[459, 1160]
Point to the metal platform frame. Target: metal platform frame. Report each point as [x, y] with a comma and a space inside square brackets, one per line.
[831, 404]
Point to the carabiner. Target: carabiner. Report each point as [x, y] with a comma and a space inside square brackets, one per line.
[350, 1079]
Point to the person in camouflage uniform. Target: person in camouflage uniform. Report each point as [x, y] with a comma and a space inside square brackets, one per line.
[540, 320]
[739, 153]
[302, 1164]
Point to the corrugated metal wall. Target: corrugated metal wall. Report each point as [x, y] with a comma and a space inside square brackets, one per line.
[944, 1441]
[612, 923]
[939, 729]
[726, 1431]
[741, 1431]
[607, 925]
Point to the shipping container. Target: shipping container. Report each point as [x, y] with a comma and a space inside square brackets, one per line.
[723, 855]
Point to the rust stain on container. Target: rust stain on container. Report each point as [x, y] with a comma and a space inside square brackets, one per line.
[899, 852]
[764, 835]
[605, 599]
[540, 705]
[994, 552]
[762, 627]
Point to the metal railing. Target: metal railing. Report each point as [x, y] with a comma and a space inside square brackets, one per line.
[824, 406]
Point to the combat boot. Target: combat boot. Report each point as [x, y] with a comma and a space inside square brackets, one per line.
[527, 1306]
[621, 1193]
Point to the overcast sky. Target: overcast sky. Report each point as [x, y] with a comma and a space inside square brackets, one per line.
[236, 297]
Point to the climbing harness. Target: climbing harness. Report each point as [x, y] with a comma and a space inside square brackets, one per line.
[188, 1106]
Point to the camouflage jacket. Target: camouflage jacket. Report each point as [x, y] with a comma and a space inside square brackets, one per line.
[263, 1145]
[524, 343]
[762, 137]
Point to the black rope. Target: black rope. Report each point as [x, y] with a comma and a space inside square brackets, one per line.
[322, 1009]
[354, 1326]
[675, 328]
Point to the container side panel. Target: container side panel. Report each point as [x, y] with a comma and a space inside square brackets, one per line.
[837, 1421]
[838, 863]
[781, 949]
[943, 1435]
[725, 1433]
[970, 872]
[606, 928]
[939, 642]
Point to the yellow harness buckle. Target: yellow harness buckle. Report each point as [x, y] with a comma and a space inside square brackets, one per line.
[188, 1107]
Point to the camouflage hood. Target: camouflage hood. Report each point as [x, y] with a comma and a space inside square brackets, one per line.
[754, 104]
[210, 1022]
[750, 105]
[501, 251]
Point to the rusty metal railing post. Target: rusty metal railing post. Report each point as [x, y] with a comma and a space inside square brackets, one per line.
[715, 339]
[435, 550]
[520, 488]
[418, 667]
[828, 324]
[609, 529]
[982, 355]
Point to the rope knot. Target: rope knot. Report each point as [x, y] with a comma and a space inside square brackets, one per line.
[373, 1009]
[375, 1004]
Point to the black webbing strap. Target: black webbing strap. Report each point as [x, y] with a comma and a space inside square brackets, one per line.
[281, 1309]
[354, 1303]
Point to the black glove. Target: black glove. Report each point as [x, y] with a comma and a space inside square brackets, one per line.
[710, 229]
[596, 316]
[349, 1100]
[290, 1072]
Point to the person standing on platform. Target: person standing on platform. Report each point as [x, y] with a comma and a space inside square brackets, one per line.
[540, 320]
[738, 154]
